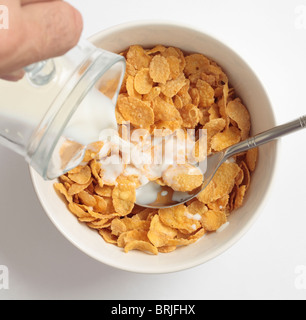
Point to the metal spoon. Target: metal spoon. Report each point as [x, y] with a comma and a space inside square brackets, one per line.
[165, 197]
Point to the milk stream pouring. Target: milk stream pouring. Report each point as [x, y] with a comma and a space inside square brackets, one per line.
[61, 107]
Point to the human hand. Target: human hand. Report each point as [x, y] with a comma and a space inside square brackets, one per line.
[38, 30]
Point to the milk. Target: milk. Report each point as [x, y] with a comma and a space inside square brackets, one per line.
[94, 118]
[95, 114]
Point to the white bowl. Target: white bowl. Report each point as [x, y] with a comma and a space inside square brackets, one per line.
[248, 86]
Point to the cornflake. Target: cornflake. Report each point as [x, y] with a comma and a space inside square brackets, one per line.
[160, 69]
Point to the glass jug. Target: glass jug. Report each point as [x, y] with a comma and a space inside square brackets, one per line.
[60, 107]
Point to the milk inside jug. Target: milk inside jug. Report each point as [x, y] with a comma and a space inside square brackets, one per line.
[60, 107]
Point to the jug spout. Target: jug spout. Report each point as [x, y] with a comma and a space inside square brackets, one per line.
[60, 107]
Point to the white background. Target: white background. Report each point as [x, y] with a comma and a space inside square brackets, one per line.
[262, 265]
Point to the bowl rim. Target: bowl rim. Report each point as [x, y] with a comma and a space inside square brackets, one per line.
[236, 237]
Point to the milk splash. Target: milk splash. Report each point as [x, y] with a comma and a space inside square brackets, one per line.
[139, 153]
[4, 17]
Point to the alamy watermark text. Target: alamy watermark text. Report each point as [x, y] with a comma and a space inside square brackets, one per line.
[4, 277]
[4, 17]
[300, 14]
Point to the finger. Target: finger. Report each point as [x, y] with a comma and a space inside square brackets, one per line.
[52, 28]
[14, 76]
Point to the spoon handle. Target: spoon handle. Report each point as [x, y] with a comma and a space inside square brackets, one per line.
[266, 137]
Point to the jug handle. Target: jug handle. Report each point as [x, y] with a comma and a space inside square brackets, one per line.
[41, 73]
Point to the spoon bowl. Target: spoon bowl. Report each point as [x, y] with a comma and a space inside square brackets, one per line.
[165, 197]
